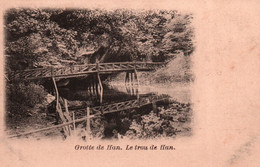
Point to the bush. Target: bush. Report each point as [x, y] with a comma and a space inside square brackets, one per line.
[169, 121]
[23, 97]
[41, 37]
[151, 126]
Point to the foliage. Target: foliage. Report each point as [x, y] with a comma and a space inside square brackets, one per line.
[31, 37]
[151, 126]
[42, 37]
[21, 98]
[177, 70]
[167, 123]
[97, 128]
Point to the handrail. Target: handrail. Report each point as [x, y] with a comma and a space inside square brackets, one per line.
[82, 69]
[85, 117]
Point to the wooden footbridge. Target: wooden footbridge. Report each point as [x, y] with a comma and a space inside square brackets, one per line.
[67, 114]
[125, 105]
[81, 70]
[62, 108]
[56, 73]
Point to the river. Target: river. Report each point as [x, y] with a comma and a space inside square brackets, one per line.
[160, 118]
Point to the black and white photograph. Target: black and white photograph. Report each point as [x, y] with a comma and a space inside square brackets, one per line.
[120, 83]
[98, 74]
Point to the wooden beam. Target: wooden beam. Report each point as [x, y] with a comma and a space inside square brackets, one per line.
[67, 115]
[93, 85]
[86, 118]
[136, 77]
[127, 78]
[132, 78]
[101, 88]
[58, 107]
[88, 130]
[73, 118]
[96, 85]
[56, 90]
[53, 127]
[82, 70]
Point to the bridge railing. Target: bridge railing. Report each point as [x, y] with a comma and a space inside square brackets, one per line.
[124, 105]
[82, 69]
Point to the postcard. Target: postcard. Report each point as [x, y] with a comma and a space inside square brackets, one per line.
[130, 83]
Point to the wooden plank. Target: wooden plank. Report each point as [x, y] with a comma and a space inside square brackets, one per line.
[101, 88]
[56, 89]
[58, 107]
[88, 130]
[53, 127]
[67, 114]
[136, 77]
[73, 118]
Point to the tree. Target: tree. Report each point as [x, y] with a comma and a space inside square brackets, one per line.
[42, 37]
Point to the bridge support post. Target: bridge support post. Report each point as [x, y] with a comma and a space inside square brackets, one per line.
[99, 83]
[132, 78]
[127, 78]
[132, 88]
[59, 109]
[137, 93]
[96, 85]
[67, 115]
[73, 118]
[136, 77]
[101, 88]
[88, 130]
[128, 90]
[93, 86]
[89, 90]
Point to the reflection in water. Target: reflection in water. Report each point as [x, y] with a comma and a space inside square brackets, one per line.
[178, 91]
[110, 95]
[132, 90]
[128, 111]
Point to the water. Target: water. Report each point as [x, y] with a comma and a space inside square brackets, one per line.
[162, 118]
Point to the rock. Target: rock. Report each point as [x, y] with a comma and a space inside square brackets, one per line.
[63, 82]
[49, 99]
